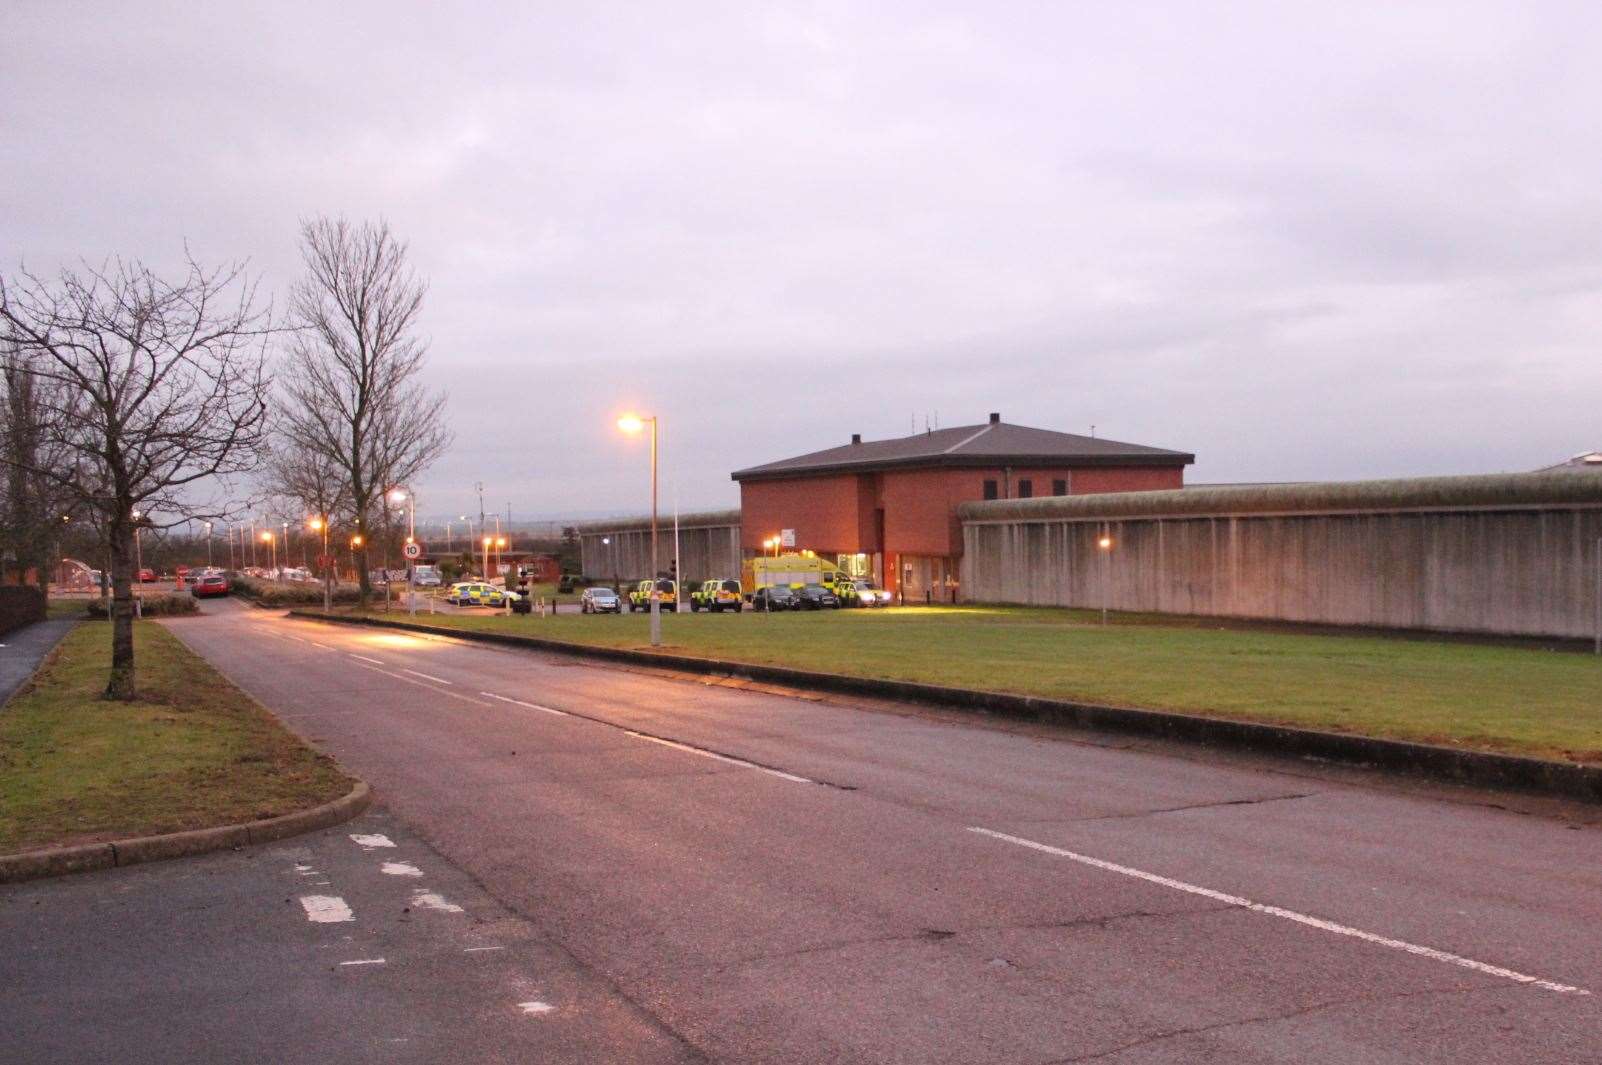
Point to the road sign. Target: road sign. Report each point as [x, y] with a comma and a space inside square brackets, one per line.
[413, 550]
[786, 537]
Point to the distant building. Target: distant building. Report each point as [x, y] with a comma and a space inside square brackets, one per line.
[887, 509]
[1584, 460]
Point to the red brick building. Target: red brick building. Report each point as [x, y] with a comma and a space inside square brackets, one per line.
[887, 508]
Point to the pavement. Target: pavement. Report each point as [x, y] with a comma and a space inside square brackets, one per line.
[22, 650]
[753, 876]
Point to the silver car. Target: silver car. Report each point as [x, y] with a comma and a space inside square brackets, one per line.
[600, 601]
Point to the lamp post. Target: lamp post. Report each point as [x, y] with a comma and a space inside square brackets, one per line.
[1105, 543]
[484, 565]
[395, 496]
[500, 552]
[355, 544]
[272, 541]
[320, 524]
[208, 545]
[139, 567]
[631, 424]
[286, 543]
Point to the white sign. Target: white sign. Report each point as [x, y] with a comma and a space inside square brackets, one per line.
[413, 550]
[786, 537]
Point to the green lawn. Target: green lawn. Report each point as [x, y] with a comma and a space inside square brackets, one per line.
[191, 753]
[1545, 703]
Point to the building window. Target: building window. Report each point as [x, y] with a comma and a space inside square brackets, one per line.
[990, 490]
[1059, 487]
[1026, 488]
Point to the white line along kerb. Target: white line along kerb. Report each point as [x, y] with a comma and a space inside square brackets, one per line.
[1289, 915]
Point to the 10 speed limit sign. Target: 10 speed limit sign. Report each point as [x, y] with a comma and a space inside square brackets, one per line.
[413, 551]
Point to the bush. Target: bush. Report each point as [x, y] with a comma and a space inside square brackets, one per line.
[273, 593]
[152, 606]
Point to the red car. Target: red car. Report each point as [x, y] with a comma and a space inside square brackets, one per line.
[209, 584]
[146, 576]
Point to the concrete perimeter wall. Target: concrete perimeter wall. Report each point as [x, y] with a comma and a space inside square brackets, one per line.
[1513, 554]
[709, 546]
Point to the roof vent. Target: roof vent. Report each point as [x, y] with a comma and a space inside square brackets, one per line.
[995, 419]
[856, 438]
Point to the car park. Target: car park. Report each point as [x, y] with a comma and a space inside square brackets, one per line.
[665, 591]
[816, 597]
[774, 597]
[717, 596]
[600, 601]
[477, 593]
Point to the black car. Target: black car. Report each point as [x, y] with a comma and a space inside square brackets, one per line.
[775, 598]
[817, 597]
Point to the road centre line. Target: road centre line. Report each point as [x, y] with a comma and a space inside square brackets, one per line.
[420, 684]
[781, 774]
[363, 658]
[1289, 915]
[530, 706]
[425, 676]
[364, 961]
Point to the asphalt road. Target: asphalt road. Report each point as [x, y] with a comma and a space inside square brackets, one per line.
[767, 878]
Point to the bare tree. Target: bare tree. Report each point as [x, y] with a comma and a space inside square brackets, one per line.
[33, 506]
[308, 481]
[353, 389]
[159, 390]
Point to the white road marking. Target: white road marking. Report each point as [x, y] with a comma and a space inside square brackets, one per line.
[371, 841]
[530, 706]
[719, 757]
[425, 676]
[401, 869]
[433, 901]
[474, 950]
[1290, 915]
[297, 639]
[364, 658]
[324, 646]
[420, 684]
[364, 961]
[326, 909]
[535, 1007]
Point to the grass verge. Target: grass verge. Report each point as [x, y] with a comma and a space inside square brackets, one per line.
[1512, 699]
[192, 752]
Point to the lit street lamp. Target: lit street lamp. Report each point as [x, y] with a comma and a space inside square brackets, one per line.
[268, 538]
[208, 545]
[396, 495]
[1105, 543]
[632, 424]
[320, 524]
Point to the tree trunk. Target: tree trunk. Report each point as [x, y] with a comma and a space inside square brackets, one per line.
[121, 685]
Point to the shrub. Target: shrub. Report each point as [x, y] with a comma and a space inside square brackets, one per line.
[273, 593]
[152, 606]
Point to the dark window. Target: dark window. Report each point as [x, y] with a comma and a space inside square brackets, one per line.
[1026, 488]
[1059, 487]
[990, 489]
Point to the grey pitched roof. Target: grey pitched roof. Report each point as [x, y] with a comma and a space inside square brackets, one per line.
[1584, 460]
[995, 443]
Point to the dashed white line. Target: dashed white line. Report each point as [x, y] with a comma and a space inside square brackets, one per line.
[420, 684]
[425, 676]
[1290, 915]
[529, 706]
[364, 961]
[431, 900]
[400, 869]
[475, 950]
[535, 1007]
[364, 658]
[720, 757]
[326, 909]
[371, 840]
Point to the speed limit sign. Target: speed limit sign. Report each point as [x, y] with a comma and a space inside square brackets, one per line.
[413, 550]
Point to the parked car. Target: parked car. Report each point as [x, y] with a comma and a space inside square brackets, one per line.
[600, 601]
[425, 576]
[775, 597]
[210, 584]
[717, 596]
[666, 592]
[477, 593]
[863, 593]
[146, 576]
[817, 597]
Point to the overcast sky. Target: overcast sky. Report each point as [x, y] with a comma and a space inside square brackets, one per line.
[1301, 243]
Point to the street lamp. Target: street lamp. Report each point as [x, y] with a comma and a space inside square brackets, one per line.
[208, 544]
[320, 524]
[633, 424]
[1105, 543]
[139, 567]
[488, 541]
[268, 538]
[396, 495]
[500, 552]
